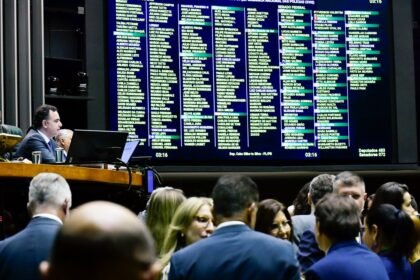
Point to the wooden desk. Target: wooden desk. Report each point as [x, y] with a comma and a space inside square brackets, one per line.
[86, 184]
[71, 173]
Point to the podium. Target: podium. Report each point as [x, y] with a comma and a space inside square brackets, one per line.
[86, 184]
[73, 174]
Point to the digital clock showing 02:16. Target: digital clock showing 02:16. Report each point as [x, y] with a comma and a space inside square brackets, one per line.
[311, 155]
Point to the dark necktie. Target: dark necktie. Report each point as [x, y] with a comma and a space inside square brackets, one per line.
[50, 144]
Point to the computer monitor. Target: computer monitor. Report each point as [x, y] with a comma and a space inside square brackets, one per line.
[96, 146]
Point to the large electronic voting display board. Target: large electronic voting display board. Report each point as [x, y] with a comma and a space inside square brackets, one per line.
[268, 82]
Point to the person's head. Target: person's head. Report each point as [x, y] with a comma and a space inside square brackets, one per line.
[319, 187]
[301, 204]
[395, 194]
[349, 184]
[49, 193]
[101, 240]
[235, 198]
[274, 219]
[63, 138]
[337, 220]
[390, 229]
[47, 120]
[193, 221]
[160, 209]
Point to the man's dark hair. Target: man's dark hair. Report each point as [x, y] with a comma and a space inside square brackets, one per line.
[348, 179]
[42, 113]
[338, 217]
[320, 186]
[234, 193]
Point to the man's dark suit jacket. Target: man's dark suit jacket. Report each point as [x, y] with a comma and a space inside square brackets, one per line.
[21, 254]
[348, 261]
[34, 141]
[236, 252]
[308, 252]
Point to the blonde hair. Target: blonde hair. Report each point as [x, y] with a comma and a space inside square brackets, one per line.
[184, 216]
[161, 207]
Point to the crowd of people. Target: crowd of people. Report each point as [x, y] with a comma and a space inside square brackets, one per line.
[339, 234]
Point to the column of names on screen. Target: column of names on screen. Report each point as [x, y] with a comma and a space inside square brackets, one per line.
[130, 46]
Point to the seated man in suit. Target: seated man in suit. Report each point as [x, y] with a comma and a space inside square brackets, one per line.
[63, 140]
[49, 203]
[337, 225]
[234, 250]
[102, 240]
[46, 124]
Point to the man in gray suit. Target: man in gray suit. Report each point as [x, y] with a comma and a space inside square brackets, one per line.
[304, 225]
[234, 250]
[318, 188]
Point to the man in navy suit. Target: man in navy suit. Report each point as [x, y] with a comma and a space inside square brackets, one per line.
[49, 203]
[235, 251]
[46, 124]
[337, 225]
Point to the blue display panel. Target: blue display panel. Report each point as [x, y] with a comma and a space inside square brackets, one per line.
[253, 82]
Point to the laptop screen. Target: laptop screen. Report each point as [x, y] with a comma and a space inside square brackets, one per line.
[128, 151]
[96, 146]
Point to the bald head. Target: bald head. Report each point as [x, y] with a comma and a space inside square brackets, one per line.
[101, 240]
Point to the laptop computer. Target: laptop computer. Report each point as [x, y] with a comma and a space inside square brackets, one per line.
[96, 146]
[129, 149]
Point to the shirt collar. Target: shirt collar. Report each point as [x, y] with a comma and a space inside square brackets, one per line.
[50, 216]
[44, 136]
[230, 223]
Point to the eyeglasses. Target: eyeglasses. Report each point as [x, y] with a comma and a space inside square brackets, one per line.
[205, 221]
[282, 225]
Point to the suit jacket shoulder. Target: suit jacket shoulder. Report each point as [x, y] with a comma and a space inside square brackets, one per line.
[34, 141]
[27, 249]
[346, 261]
[302, 223]
[236, 252]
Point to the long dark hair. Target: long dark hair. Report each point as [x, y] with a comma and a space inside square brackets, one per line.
[391, 193]
[267, 211]
[300, 203]
[395, 229]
